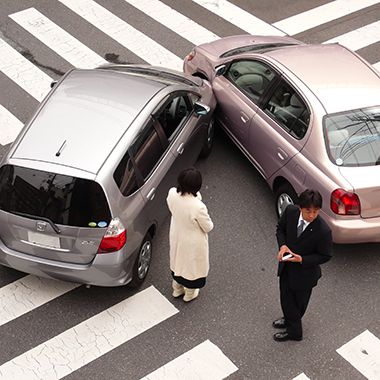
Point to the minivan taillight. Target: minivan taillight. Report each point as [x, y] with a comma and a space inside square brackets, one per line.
[114, 238]
[344, 203]
[190, 56]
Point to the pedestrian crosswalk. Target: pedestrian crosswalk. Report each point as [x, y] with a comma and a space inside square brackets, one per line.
[91, 339]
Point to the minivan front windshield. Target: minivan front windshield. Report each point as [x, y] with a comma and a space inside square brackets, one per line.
[62, 199]
[353, 137]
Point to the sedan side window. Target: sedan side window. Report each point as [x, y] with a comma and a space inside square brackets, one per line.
[173, 115]
[289, 110]
[251, 77]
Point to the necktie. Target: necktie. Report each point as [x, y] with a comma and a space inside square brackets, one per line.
[300, 228]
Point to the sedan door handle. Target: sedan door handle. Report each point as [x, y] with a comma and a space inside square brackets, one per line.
[151, 194]
[243, 117]
[180, 149]
[281, 154]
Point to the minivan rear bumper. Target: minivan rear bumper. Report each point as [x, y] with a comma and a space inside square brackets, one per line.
[105, 270]
[351, 231]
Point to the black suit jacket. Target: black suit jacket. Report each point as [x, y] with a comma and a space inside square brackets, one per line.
[314, 245]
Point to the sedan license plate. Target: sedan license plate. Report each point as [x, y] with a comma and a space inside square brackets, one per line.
[44, 240]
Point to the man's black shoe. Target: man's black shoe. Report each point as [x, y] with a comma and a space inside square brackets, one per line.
[279, 323]
[284, 336]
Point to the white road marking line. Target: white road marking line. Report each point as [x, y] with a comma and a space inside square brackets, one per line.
[28, 293]
[363, 352]
[203, 362]
[301, 376]
[23, 72]
[239, 17]
[87, 341]
[175, 21]
[377, 66]
[126, 35]
[321, 15]
[10, 127]
[359, 38]
[57, 39]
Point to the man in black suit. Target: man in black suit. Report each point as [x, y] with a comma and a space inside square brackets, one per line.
[304, 235]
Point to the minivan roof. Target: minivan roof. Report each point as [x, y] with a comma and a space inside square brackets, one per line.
[339, 78]
[85, 117]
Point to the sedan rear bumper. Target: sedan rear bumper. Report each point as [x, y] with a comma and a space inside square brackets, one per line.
[105, 270]
[351, 231]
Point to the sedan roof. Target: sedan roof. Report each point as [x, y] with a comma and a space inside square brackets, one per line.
[337, 76]
[85, 117]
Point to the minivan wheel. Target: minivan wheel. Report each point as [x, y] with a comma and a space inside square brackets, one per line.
[207, 146]
[142, 263]
[285, 196]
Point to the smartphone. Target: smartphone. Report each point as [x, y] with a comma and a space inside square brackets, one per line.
[287, 257]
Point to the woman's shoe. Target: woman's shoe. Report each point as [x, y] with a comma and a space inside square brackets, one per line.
[178, 290]
[190, 294]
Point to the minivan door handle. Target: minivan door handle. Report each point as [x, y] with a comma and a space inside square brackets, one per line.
[151, 194]
[180, 148]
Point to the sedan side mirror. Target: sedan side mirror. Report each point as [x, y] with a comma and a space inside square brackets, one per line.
[201, 109]
[220, 70]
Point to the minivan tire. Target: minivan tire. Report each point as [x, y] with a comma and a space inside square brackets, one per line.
[207, 146]
[285, 195]
[142, 262]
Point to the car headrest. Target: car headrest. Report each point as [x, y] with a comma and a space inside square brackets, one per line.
[295, 102]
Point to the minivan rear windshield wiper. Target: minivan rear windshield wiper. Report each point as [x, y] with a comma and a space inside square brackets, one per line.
[53, 226]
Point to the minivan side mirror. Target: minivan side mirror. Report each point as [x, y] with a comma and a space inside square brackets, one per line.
[220, 70]
[201, 109]
[52, 84]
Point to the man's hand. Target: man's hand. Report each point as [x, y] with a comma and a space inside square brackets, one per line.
[284, 250]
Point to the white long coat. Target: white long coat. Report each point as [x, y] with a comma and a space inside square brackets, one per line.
[189, 226]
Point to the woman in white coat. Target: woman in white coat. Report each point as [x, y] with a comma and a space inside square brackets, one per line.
[190, 223]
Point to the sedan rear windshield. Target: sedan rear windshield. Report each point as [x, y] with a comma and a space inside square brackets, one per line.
[62, 199]
[353, 137]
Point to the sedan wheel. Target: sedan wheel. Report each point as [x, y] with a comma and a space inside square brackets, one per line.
[285, 196]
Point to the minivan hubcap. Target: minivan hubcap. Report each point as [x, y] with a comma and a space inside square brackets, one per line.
[144, 259]
[283, 201]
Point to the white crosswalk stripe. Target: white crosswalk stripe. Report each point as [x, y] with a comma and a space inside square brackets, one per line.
[363, 352]
[359, 38]
[23, 72]
[204, 362]
[126, 35]
[239, 17]
[178, 23]
[10, 126]
[301, 376]
[321, 15]
[80, 345]
[28, 293]
[53, 36]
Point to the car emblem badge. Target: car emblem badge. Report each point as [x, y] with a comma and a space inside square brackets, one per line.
[41, 226]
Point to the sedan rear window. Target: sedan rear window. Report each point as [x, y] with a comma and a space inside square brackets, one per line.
[61, 199]
[353, 137]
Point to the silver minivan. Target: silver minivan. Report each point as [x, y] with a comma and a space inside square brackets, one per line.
[83, 187]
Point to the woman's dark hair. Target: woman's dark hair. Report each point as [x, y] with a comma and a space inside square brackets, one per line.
[189, 181]
[310, 198]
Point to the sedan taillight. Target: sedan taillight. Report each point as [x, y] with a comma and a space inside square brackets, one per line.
[114, 238]
[344, 203]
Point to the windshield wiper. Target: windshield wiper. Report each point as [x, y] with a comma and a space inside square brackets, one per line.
[53, 226]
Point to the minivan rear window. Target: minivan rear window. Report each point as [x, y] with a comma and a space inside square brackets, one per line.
[353, 137]
[62, 199]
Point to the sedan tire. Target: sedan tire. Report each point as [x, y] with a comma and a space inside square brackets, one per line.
[207, 147]
[285, 195]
